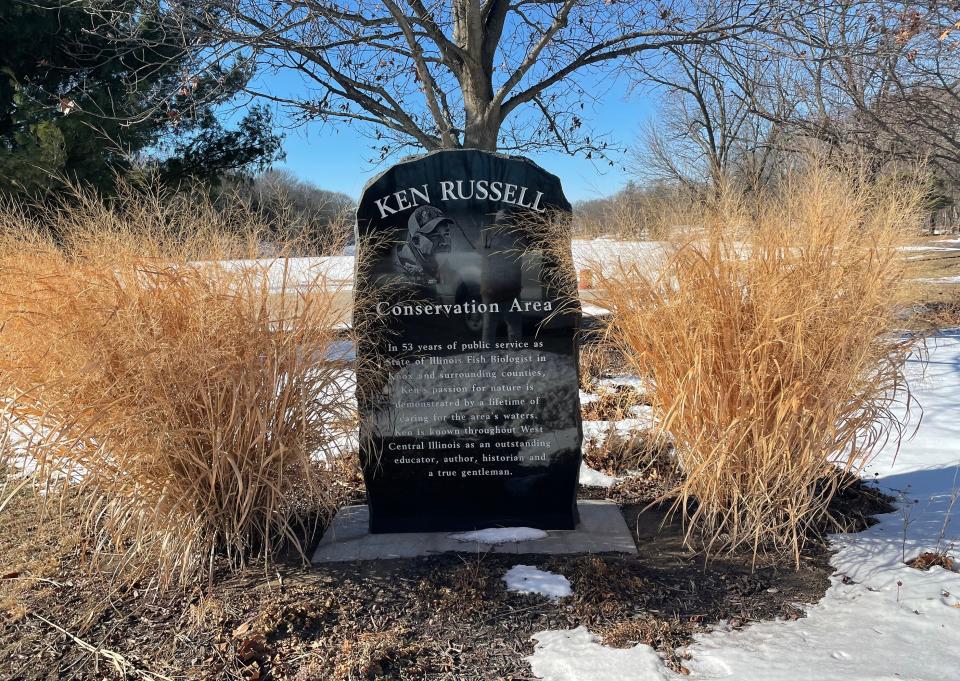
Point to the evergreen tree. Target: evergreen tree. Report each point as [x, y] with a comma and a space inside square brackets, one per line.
[78, 104]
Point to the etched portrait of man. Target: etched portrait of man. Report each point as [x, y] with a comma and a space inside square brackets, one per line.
[428, 234]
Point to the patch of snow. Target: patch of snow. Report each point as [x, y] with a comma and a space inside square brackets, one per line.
[340, 444]
[634, 382]
[603, 254]
[587, 398]
[598, 430]
[590, 310]
[854, 634]
[941, 280]
[526, 579]
[291, 274]
[643, 412]
[500, 535]
[341, 351]
[926, 248]
[576, 655]
[592, 478]
[16, 438]
[888, 621]
[23, 466]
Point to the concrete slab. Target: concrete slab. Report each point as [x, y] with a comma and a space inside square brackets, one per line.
[601, 529]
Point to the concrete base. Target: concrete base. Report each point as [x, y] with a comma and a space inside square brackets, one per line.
[602, 528]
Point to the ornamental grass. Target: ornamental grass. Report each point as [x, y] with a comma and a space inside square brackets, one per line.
[770, 335]
[168, 369]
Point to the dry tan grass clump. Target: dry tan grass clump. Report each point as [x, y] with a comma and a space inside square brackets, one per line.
[771, 337]
[612, 403]
[929, 559]
[636, 453]
[186, 388]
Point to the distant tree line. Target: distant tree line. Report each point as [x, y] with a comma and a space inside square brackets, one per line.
[637, 210]
[875, 79]
[296, 209]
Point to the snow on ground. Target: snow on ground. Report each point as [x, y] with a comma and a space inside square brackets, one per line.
[595, 432]
[593, 478]
[598, 430]
[576, 655]
[941, 280]
[587, 398]
[500, 535]
[590, 310]
[15, 438]
[604, 253]
[887, 622]
[926, 248]
[341, 350]
[338, 269]
[294, 273]
[635, 382]
[527, 579]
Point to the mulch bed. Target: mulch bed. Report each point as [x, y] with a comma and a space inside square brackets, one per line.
[443, 617]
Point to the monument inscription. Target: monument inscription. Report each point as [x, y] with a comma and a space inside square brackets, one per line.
[467, 359]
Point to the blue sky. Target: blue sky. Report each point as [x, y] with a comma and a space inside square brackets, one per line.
[337, 157]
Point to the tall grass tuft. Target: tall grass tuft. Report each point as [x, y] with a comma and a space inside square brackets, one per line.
[771, 337]
[188, 387]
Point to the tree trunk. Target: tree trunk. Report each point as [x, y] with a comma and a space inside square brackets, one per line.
[481, 130]
[483, 119]
[482, 115]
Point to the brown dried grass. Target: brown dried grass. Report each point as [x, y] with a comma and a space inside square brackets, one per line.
[771, 337]
[188, 397]
[613, 403]
[637, 453]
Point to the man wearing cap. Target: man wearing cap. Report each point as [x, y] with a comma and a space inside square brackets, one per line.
[428, 234]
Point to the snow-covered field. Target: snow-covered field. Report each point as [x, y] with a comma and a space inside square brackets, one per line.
[293, 273]
[941, 280]
[596, 253]
[880, 620]
[338, 270]
[601, 252]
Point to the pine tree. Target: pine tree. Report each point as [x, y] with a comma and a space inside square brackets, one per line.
[78, 105]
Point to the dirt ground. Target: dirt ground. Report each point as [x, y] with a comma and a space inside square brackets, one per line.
[938, 299]
[444, 617]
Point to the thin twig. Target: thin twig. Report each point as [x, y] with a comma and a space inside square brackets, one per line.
[119, 662]
[32, 579]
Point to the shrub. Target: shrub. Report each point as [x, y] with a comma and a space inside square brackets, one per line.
[770, 337]
[190, 390]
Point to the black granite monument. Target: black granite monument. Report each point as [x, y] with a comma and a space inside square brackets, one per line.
[467, 358]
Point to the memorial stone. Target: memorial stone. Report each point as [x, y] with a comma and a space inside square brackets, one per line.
[467, 354]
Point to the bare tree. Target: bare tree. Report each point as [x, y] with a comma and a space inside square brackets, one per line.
[707, 128]
[295, 208]
[446, 73]
[876, 75]
[876, 78]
